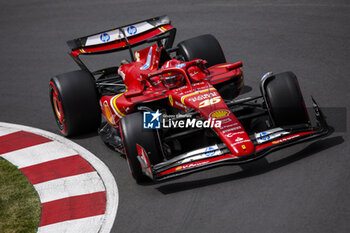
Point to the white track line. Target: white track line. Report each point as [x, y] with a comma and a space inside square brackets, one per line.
[5, 131]
[86, 225]
[38, 154]
[82, 225]
[85, 183]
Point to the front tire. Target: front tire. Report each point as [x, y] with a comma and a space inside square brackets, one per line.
[284, 99]
[132, 131]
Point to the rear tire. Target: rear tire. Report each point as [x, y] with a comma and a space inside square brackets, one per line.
[133, 133]
[204, 47]
[284, 99]
[74, 102]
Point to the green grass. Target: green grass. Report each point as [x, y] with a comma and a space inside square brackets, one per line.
[19, 202]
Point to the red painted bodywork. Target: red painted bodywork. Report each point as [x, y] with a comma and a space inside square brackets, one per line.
[194, 90]
[143, 82]
[142, 79]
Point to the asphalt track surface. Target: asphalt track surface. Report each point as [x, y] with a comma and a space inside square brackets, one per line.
[300, 189]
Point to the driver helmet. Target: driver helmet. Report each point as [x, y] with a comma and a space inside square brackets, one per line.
[172, 80]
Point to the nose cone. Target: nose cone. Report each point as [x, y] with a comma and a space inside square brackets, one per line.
[207, 100]
[243, 148]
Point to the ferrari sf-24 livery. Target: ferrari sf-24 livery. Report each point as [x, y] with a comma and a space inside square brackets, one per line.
[174, 110]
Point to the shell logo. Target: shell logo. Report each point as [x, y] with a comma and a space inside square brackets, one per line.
[219, 113]
[178, 168]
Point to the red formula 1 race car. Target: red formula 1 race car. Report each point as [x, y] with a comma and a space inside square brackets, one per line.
[173, 110]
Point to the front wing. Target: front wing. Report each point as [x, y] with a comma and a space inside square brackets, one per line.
[219, 155]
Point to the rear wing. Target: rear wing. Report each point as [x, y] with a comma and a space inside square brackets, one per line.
[123, 37]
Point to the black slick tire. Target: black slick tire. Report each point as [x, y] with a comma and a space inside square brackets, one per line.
[285, 100]
[132, 131]
[74, 102]
[204, 47]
